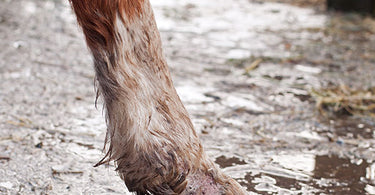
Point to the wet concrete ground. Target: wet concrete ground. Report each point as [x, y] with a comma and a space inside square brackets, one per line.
[261, 125]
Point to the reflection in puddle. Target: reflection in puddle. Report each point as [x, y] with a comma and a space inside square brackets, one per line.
[343, 175]
[228, 162]
[265, 183]
[350, 127]
[330, 175]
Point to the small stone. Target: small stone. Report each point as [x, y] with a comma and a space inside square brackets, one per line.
[340, 142]
[39, 145]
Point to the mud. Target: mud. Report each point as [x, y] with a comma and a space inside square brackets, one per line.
[260, 124]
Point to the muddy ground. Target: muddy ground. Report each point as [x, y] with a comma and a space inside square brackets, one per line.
[244, 70]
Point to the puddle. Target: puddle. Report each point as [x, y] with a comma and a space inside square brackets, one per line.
[354, 129]
[350, 127]
[224, 162]
[331, 175]
[343, 176]
[266, 183]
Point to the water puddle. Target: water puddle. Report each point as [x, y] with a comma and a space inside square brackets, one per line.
[348, 127]
[336, 175]
[331, 174]
[228, 162]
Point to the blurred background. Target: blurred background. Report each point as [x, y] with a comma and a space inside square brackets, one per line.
[281, 92]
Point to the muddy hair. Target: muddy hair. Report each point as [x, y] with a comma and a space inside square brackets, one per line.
[150, 136]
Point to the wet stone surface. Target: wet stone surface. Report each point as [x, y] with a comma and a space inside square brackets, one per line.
[244, 70]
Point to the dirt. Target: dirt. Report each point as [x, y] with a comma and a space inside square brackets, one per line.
[260, 124]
